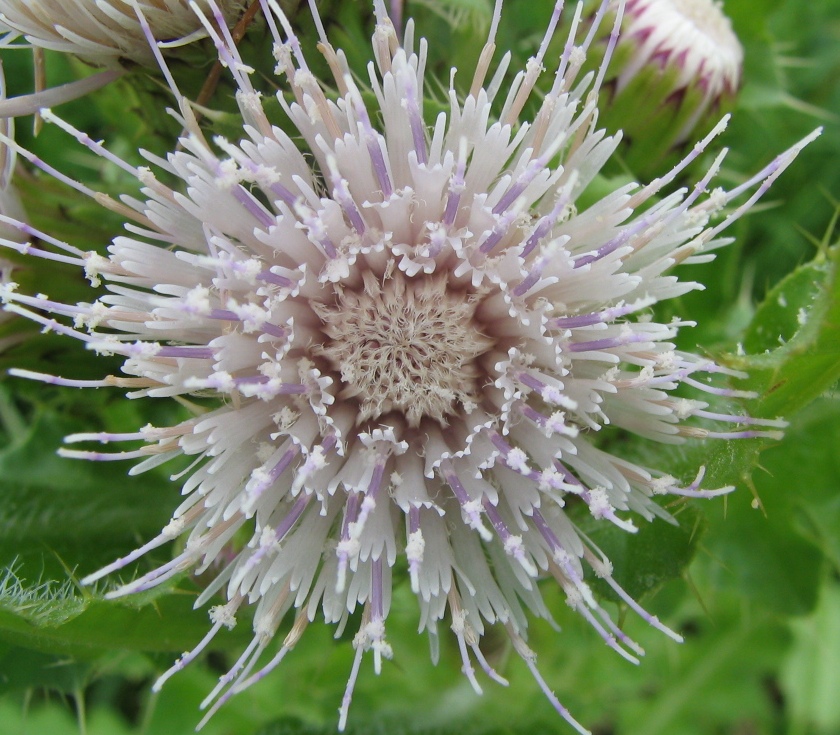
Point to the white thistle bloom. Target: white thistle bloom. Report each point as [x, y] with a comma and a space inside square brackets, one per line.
[416, 336]
[103, 32]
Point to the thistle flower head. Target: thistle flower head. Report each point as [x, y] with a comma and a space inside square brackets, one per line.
[418, 335]
[677, 69]
[104, 32]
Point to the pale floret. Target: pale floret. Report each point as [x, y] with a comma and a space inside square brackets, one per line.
[416, 337]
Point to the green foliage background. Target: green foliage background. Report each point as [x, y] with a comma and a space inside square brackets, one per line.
[752, 581]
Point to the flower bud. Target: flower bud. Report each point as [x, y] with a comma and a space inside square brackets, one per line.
[676, 70]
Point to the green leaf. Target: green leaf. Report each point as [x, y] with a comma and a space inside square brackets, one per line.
[59, 515]
[716, 682]
[56, 511]
[803, 314]
[810, 676]
[771, 543]
[775, 553]
[58, 620]
[23, 668]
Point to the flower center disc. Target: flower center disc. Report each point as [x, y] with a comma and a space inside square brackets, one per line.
[405, 345]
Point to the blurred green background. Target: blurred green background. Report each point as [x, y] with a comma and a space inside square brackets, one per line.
[752, 581]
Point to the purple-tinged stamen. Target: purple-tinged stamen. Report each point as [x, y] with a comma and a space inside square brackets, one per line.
[27, 249]
[618, 241]
[657, 184]
[226, 47]
[143, 452]
[514, 459]
[30, 231]
[51, 325]
[396, 15]
[567, 570]
[512, 544]
[554, 424]
[486, 667]
[560, 74]
[88, 142]
[606, 636]
[549, 393]
[533, 69]
[55, 380]
[54, 307]
[316, 232]
[104, 437]
[292, 41]
[735, 419]
[272, 330]
[598, 317]
[500, 229]
[284, 194]
[270, 539]
[227, 678]
[545, 531]
[375, 483]
[547, 222]
[651, 620]
[726, 392]
[497, 441]
[255, 491]
[224, 315]
[373, 141]
[190, 656]
[529, 657]
[341, 193]
[415, 120]
[189, 351]
[611, 44]
[275, 279]
[742, 434]
[698, 189]
[598, 509]
[596, 22]
[358, 642]
[534, 276]
[611, 342]
[258, 172]
[471, 509]
[153, 45]
[667, 485]
[263, 672]
[168, 533]
[534, 167]
[157, 576]
[289, 642]
[46, 168]
[351, 513]
[771, 172]
[376, 601]
[255, 208]
[457, 184]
